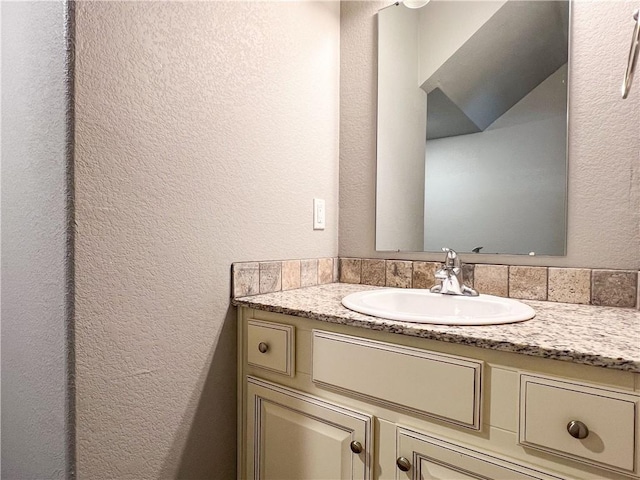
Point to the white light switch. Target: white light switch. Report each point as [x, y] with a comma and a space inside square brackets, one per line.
[319, 221]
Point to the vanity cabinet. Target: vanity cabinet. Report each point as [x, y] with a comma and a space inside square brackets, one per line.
[320, 400]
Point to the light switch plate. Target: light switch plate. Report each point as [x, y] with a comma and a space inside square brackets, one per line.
[319, 220]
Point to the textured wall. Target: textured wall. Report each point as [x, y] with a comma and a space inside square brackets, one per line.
[604, 136]
[203, 132]
[34, 241]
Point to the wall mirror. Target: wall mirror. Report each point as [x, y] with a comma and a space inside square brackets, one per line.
[472, 127]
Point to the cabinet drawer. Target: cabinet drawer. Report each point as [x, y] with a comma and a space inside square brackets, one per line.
[427, 383]
[547, 407]
[429, 457]
[271, 346]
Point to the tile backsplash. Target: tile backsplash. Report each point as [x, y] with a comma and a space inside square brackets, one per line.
[252, 278]
[616, 288]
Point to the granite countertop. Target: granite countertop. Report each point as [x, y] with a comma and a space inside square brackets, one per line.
[601, 336]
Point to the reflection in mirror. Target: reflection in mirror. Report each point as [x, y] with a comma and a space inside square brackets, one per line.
[472, 127]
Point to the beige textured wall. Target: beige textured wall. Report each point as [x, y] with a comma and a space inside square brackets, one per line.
[203, 131]
[604, 136]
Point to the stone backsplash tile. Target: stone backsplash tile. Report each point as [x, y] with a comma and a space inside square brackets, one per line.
[309, 272]
[528, 283]
[492, 279]
[614, 288]
[245, 279]
[351, 270]
[424, 274]
[373, 272]
[290, 274]
[252, 278]
[399, 273]
[325, 270]
[270, 277]
[569, 285]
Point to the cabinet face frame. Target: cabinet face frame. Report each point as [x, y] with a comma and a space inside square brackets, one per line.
[260, 391]
[630, 400]
[470, 367]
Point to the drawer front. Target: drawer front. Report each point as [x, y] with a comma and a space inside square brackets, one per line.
[271, 346]
[547, 406]
[431, 384]
[432, 458]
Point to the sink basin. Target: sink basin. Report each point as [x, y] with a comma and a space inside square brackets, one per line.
[422, 306]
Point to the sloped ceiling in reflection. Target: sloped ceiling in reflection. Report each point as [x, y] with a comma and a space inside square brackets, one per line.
[511, 54]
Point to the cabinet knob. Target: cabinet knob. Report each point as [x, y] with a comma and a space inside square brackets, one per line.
[577, 429]
[263, 347]
[356, 447]
[403, 464]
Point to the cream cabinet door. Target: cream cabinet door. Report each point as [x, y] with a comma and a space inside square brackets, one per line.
[422, 457]
[294, 436]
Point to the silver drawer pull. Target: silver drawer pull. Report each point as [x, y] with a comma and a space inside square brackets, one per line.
[263, 347]
[403, 464]
[577, 429]
[356, 447]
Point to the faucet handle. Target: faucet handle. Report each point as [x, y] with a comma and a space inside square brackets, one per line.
[451, 259]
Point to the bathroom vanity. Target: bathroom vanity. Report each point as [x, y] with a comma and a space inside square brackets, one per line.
[327, 393]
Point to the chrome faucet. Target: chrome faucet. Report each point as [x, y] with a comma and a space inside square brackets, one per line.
[450, 276]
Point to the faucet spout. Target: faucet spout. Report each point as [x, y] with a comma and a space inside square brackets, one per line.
[450, 276]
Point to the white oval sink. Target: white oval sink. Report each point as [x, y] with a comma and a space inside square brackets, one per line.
[422, 306]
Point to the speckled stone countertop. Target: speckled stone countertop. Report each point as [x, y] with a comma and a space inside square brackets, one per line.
[601, 336]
